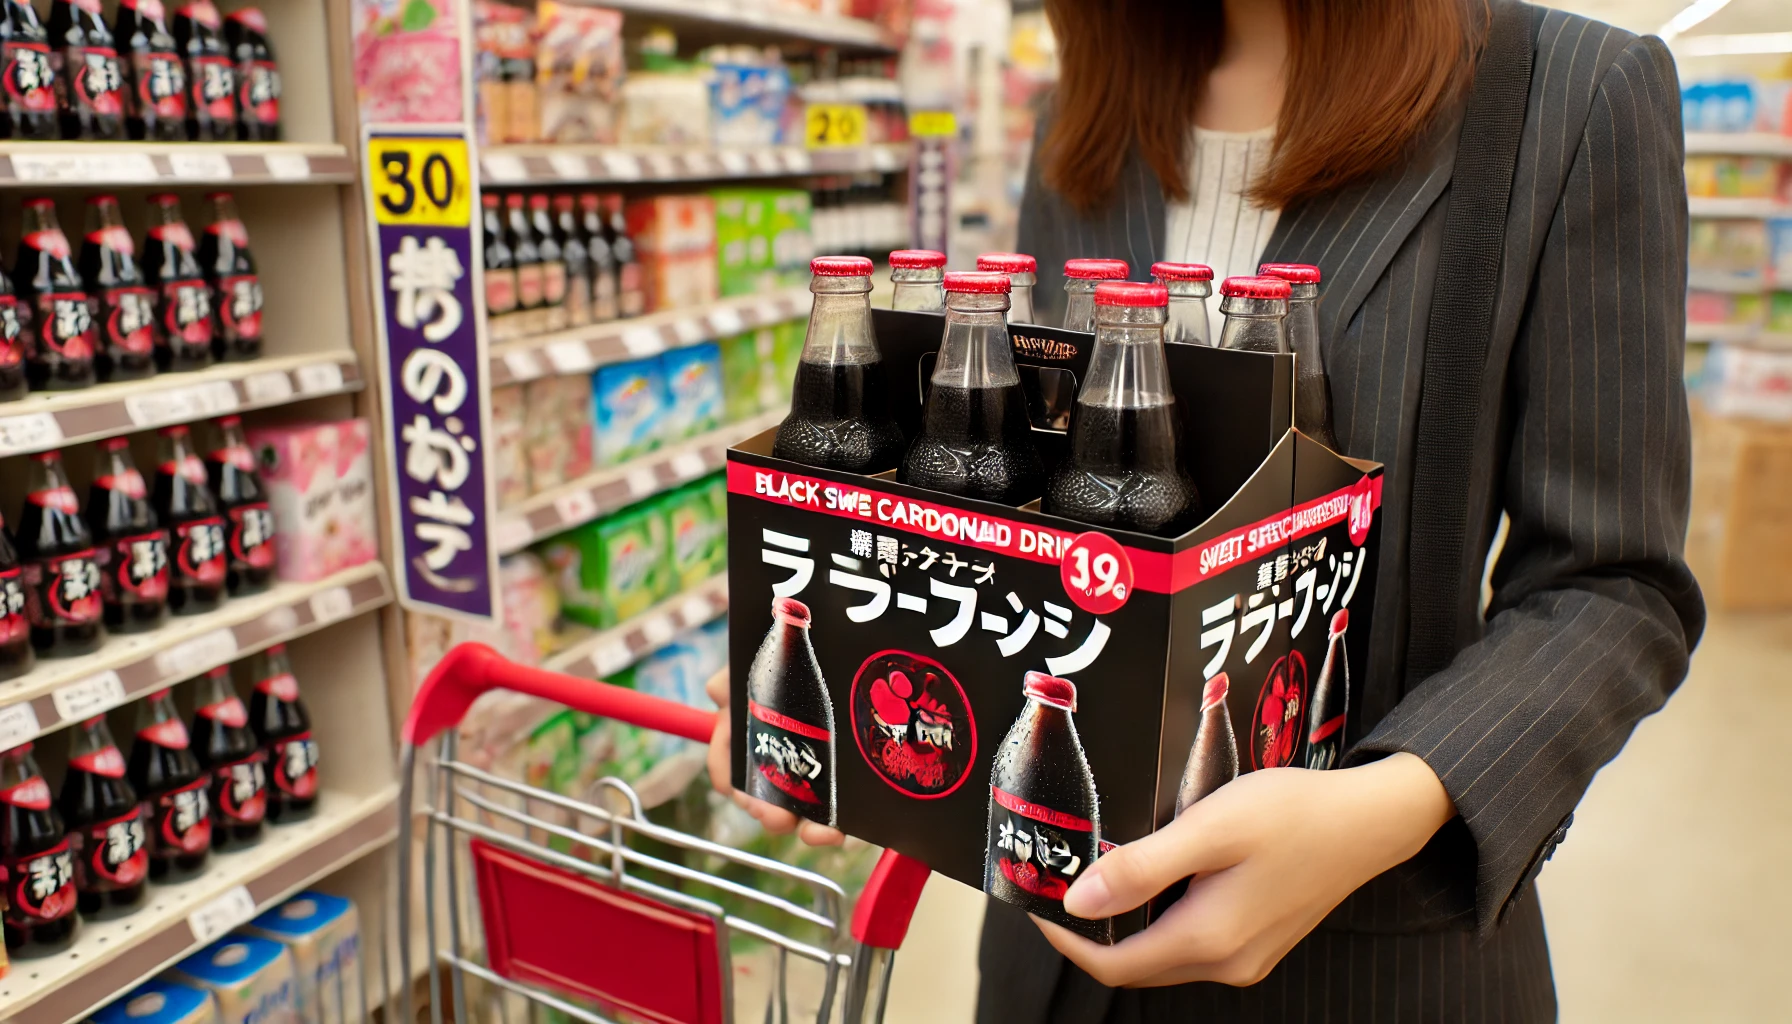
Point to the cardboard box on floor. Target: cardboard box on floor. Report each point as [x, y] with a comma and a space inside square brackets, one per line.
[1739, 542]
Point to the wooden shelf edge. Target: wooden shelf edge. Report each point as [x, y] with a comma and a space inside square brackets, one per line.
[539, 163]
[134, 164]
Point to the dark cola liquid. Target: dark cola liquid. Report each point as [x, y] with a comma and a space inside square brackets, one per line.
[177, 803]
[840, 419]
[16, 654]
[284, 730]
[239, 774]
[107, 833]
[13, 385]
[1122, 472]
[1331, 701]
[976, 443]
[790, 727]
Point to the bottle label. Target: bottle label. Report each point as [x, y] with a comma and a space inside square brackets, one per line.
[229, 711]
[12, 346]
[175, 233]
[116, 237]
[280, 687]
[161, 83]
[183, 821]
[214, 88]
[106, 761]
[32, 795]
[134, 570]
[130, 316]
[67, 328]
[553, 283]
[240, 790]
[603, 297]
[1038, 850]
[199, 551]
[14, 626]
[789, 754]
[62, 499]
[187, 312]
[40, 887]
[63, 591]
[111, 854]
[231, 230]
[259, 98]
[239, 306]
[29, 81]
[500, 291]
[98, 85]
[252, 536]
[632, 299]
[170, 733]
[528, 286]
[295, 765]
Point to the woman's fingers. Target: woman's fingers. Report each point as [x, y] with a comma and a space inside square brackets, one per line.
[717, 688]
[1127, 876]
[816, 834]
[721, 771]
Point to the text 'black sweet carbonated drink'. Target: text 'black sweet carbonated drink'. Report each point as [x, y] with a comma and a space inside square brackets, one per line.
[211, 74]
[1044, 816]
[976, 439]
[1023, 274]
[1331, 699]
[236, 287]
[27, 79]
[123, 304]
[840, 406]
[228, 750]
[106, 829]
[1125, 469]
[129, 543]
[283, 728]
[62, 575]
[154, 72]
[14, 342]
[1213, 758]
[86, 61]
[36, 866]
[249, 525]
[790, 720]
[917, 276]
[51, 291]
[16, 655]
[1312, 391]
[175, 791]
[197, 551]
[171, 266]
[1189, 285]
[257, 76]
[1080, 279]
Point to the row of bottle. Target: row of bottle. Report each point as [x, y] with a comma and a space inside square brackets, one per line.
[187, 788]
[200, 77]
[182, 305]
[131, 557]
[857, 215]
[553, 262]
[1125, 468]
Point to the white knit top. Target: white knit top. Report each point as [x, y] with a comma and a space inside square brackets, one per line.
[1218, 226]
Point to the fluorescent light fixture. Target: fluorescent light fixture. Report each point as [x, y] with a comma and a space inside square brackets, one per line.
[1734, 45]
[1690, 15]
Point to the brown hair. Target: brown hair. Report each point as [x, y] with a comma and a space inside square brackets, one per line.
[1364, 80]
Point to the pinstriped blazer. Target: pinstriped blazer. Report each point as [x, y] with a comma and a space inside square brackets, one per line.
[1583, 444]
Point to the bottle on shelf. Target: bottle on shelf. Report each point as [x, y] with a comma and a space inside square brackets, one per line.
[13, 343]
[123, 304]
[155, 75]
[631, 284]
[35, 862]
[1080, 280]
[1256, 311]
[839, 406]
[553, 264]
[1312, 392]
[523, 251]
[107, 834]
[283, 728]
[174, 790]
[16, 654]
[131, 547]
[86, 63]
[249, 525]
[189, 511]
[237, 765]
[578, 263]
[62, 577]
[50, 289]
[236, 288]
[29, 101]
[604, 305]
[917, 276]
[171, 266]
[500, 271]
[211, 75]
[1023, 274]
[257, 76]
[1189, 285]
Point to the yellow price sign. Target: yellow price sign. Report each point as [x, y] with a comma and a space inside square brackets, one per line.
[421, 180]
[834, 125]
[933, 124]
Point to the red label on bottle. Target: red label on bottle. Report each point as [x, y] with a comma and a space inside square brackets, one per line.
[50, 242]
[252, 535]
[105, 761]
[67, 327]
[295, 765]
[214, 88]
[62, 499]
[176, 234]
[203, 12]
[97, 85]
[230, 229]
[500, 291]
[161, 84]
[116, 237]
[528, 285]
[239, 305]
[41, 887]
[1039, 852]
[187, 312]
[240, 790]
[29, 80]
[183, 821]
[111, 854]
[188, 466]
[128, 483]
[199, 550]
[281, 687]
[171, 734]
[136, 569]
[63, 591]
[237, 455]
[33, 794]
[229, 711]
[12, 346]
[130, 316]
[13, 624]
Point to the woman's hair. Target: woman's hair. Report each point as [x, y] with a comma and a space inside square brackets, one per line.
[1364, 79]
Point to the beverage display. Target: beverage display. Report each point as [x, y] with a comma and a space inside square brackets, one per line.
[86, 63]
[55, 300]
[211, 74]
[1213, 759]
[1312, 392]
[62, 577]
[171, 266]
[1044, 816]
[918, 275]
[976, 439]
[1023, 274]
[124, 306]
[257, 76]
[16, 654]
[603, 260]
[196, 535]
[236, 288]
[28, 110]
[1080, 280]
[553, 264]
[175, 791]
[106, 831]
[631, 285]
[35, 862]
[228, 751]
[249, 525]
[526, 256]
[1125, 468]
[1256, 311]
[283, 729]
[1331, 699]
[840, 407]
[500, 268]
[790, 720]
[130, 546]
[1189, 285]
[578, 262]
[154, 74]
[13, 343]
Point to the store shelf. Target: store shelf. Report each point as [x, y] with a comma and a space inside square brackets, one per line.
[172, 163]
[612, 650]
[111, 956]
[599, 164]
[614, 487]
[1721, 332]
[65, 690]
[584, 349]
[51, 419]
[1745, 209]
[1738, 144]
[755, 21]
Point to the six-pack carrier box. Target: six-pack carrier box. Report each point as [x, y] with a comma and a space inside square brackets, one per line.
[1004, 694]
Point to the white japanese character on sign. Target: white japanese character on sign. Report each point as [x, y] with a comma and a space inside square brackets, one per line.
[430, 375]
[953, 564]
[1085, 653]
[955, 630]
[50, 874]
[1265, 617]
[861, 543]
[1264, 571]
[1218, 628]
[446, 542]
[888, 550]
[878, 589]
[802, 569]
[985, 573]
[1341, 566]
[123, 840]
[1016, 641]
[1304, 582]
[437, 455]
[423, 277]
[1281, 567]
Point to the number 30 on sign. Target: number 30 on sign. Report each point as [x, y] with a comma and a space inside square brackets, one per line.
[420, 180]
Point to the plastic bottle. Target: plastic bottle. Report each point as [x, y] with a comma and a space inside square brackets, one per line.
[283, 729]
[236, 288]
[35, 861]
[211, 74]
[257, 76]
[197, 548]
[154, 72]
[1189, 285]
[131, 547]
[106, 831]
[123, 304]
[235, 762]
[16, 654]
[1080, 279]
[61, 356]
[86, 61]
[917, 275]
[28, 103]
[171, 266]
[174, 790]
[839, 407]
[790, 720]
[1256, 311]
[1312, 391]
[1023, 274]
[62, 577]
[248, 524]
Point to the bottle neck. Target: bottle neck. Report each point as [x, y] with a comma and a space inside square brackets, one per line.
[1127, 368]
[1079, 309]
[1187, 323]
[840, 323]
[975, 351]
[920, 296]
[1254, 325]
[215, 688]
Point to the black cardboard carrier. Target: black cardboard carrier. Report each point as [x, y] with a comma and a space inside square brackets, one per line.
[926, 612]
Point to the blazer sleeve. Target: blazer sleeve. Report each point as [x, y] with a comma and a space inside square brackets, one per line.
[1594, 612]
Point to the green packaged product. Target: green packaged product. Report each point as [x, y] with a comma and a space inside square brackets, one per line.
[614, 569]
[792, 242]
[740, 376]
[787, 351]
[743, 241]
[698, 529]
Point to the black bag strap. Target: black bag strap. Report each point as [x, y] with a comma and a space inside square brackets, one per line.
[1458, 333]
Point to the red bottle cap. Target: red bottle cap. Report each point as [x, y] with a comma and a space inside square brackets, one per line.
[1215, 691]
[978, 282]
[1182, 271]
[1255, 288]
[1340, 621]
[790, 611]
[163, 199]
[1131, 293]
[215, 196]
[1059, 693]
[277, 649]
[1008, 262]
[538, 202]
[1097, 270]
[177, 430]
[917, 259]
[113, 444]
[232, 420]
[45, 457]
[489, 199]
[103, 197]
[514, 199]
[1293, 273]
[840, 266]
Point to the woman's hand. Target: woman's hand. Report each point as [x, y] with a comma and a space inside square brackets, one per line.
[775, 819]
[1273, 852]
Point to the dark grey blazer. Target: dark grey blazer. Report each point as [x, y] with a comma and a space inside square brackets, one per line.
[1584, 444]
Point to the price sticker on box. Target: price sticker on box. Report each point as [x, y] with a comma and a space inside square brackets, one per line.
[217, 916]
[287, 166]
[725, 321]
[420, 180]
[621, 166]
[568, 166]
[191, 657]
[512, 534]
[199, 166]
[502, 167]
[643, 341]
[734, 161]
[834, 125]
[613, 656]
[642, 482]
[689, 464]
[320, 377]
[659, 630]
[85, 698]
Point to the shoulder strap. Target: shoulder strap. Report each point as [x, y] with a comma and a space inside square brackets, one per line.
[1458, 332]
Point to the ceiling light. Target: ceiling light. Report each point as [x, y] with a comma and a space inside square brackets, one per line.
[1690, 15]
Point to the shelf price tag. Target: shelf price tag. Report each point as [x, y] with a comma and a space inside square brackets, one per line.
[33, 431]
[417, 180]
[834, 125]
[332, 604]
[933, 124]
[18, 723]
[87, 697]
[221, 913]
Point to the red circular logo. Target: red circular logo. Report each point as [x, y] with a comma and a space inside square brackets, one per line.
[1362, 511]
[1281, 710]
[913, 724]
[1097, 573]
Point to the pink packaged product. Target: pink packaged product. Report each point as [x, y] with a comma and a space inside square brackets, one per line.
[320, 488]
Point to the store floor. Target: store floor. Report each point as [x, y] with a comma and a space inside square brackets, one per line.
[1669, 899]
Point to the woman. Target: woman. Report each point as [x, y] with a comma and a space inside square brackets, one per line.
[1342, 135]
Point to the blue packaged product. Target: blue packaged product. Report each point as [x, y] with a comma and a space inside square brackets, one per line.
[160, 1002]
[694, 389]
[250, 977]
[628, 409]
[1779, 250]
[323, 934]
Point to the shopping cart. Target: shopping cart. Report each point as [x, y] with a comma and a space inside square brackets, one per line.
[585, 903]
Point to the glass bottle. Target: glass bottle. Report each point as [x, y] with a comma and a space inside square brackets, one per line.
[35, 861]
[122, 302]
[1312, 391]
[1189, 285]
[839, 407]
[16, 654]
[131, 547]
[283, 728]
[154, 73]
[196, 544]
[211, 74]
[1023, 274]
[106, 831]
[51, 290]
[86, 62]
[1256, 311]
[917, 275]
[173, 787]
[233, 758]
[62, 576]
[248, 524]
[1080, 279]
[236, 287]
[529, 283]
[29, 102]
[171, 266]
